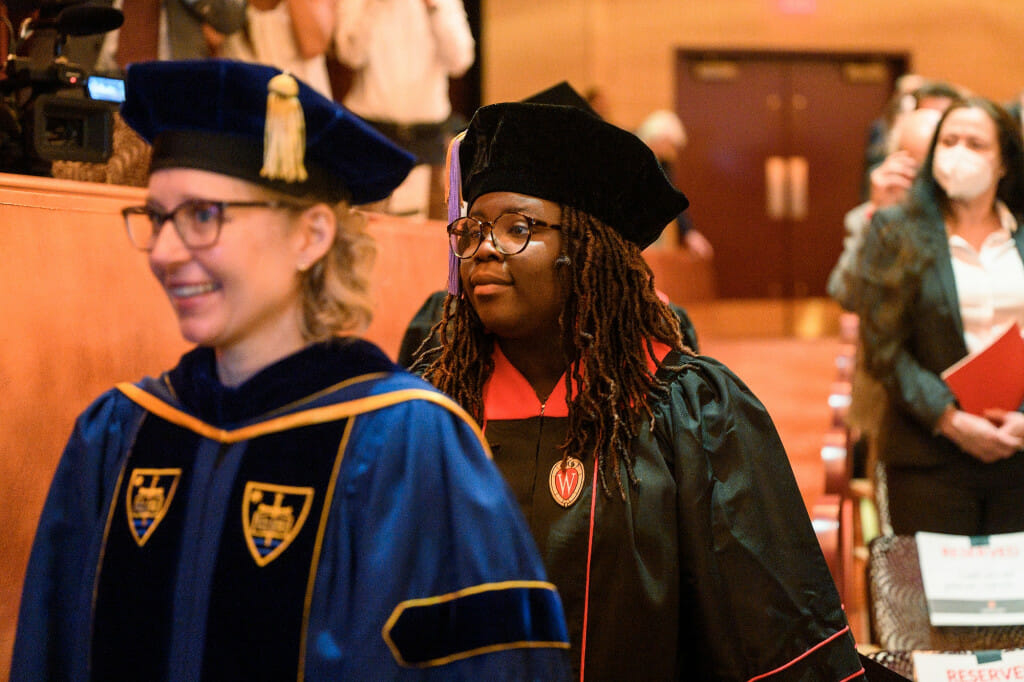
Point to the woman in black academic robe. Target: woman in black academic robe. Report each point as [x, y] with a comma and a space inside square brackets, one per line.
[653, 480]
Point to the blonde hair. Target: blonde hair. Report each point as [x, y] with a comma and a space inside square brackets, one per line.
[336, 289]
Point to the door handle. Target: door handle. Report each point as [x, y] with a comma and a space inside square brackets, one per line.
[775, 181]
[796, 173]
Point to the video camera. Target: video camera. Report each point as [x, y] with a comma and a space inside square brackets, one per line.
[56, 111]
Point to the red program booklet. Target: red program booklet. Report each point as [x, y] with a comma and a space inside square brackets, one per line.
[992, 376]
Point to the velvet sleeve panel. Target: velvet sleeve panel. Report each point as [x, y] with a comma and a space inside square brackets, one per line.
[52, 635]
[756, 595]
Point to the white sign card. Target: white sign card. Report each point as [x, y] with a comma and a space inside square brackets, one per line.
[973, 580]
[979, 666]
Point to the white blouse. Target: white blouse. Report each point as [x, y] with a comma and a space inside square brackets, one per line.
[989, 282]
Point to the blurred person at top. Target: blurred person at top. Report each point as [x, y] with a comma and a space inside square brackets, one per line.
[168, 29]
[909, 141]
[912, 91]
[291, 35]
[402, 53]
[940, 276]
[665, 134]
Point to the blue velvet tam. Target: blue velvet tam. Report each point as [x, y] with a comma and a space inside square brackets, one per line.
[571, 157]
[217, 115]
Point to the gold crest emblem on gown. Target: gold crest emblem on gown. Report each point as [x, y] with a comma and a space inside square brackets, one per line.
[147, 500]
[273, 516]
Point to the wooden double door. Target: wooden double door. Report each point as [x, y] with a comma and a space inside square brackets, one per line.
[775, 159]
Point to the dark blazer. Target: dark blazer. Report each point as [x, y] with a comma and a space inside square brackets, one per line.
[911, 331]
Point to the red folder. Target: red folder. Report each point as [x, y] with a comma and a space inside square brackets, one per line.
[992, 376]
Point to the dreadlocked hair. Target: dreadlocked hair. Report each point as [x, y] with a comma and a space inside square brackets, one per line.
[610, 317]
[462, 364]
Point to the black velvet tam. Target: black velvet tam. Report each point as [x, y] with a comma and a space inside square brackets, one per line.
[210, 114]
[566, 155]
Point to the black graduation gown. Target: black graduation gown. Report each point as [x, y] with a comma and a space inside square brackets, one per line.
[710, 569]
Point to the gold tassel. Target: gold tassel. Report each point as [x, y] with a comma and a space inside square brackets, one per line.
[284, 134]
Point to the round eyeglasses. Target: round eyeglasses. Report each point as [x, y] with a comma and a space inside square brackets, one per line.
[198, 222]
[510, 233]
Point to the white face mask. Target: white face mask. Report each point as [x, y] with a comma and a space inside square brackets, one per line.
[964, 174]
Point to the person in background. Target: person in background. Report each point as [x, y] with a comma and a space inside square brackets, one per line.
[664, 133]
[291, 35]
[938, 95]
[168, 30]
[912, 91]
[598, 101]
[402, 53]
[1015, 108]
[653, 480]
[940, 276]
[900, 101]
[285, 503]
[414, 353]
[909, 142]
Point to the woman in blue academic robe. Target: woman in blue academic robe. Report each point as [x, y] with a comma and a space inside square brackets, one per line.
[285, 503]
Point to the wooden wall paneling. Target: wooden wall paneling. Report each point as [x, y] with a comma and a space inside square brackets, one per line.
[412, 263]
[626, 46]
[80, 312]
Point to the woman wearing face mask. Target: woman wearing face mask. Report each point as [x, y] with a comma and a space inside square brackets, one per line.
[943, 275]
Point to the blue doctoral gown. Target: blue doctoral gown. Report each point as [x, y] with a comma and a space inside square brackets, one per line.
[333, 518]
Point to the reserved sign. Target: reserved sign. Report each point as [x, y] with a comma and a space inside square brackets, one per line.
[979, 666]
[973, 580]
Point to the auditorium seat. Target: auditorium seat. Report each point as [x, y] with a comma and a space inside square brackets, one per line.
[837, 514]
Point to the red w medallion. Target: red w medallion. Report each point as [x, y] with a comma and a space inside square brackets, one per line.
[566, 481]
